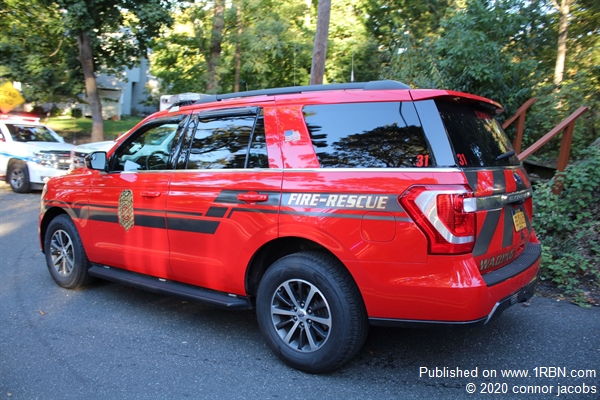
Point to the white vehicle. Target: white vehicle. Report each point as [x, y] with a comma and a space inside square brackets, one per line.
[30, 153]
[79, 153]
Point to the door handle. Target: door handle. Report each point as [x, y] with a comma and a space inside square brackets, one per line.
[252, 197]
[150, 194]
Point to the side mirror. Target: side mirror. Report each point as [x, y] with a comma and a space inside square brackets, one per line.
[96, 161]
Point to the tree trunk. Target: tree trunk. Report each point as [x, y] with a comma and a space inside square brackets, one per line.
[214, 60]
[563, 26]
[91, 89]
[238, 50]
[317, 69]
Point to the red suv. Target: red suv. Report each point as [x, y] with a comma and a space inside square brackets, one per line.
[327, 208]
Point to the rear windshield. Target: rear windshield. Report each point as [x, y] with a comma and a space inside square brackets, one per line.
[477, 137]
[368, 135]
[30, 133]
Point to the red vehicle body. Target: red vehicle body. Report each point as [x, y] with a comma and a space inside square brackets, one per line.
[417, 233]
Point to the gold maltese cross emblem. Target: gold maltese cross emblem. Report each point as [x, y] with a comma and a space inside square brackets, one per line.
[125, 210]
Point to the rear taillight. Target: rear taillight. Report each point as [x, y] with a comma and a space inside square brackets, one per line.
[446, 214]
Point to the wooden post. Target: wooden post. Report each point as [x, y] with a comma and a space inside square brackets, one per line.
[563, 157]
[520, 118]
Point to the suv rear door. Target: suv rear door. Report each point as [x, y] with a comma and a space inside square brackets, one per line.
[223, 201]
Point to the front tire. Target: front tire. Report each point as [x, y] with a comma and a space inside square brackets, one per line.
[65, 256]
[310, 312]
[18, 177]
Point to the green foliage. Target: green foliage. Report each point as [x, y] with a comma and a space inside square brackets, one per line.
[120, 32]
[270, 37]
[568, 225]
[578, 89]
[35, 51]
[466, 55]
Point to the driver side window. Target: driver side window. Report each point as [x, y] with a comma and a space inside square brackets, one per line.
[148, 149]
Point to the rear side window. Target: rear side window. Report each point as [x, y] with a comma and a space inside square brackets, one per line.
[476, 136]
[368, 135]
[223, 142]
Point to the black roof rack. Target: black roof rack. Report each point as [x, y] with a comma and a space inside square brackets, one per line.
[373, 85]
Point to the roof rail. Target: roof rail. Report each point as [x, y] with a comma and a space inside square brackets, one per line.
[373, 85]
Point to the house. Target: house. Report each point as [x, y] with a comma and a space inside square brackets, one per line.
[124, 94]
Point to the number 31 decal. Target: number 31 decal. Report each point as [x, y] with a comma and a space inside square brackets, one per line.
[462, 160]
[422, 160]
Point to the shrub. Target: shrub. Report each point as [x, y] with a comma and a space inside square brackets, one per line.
[568, 226]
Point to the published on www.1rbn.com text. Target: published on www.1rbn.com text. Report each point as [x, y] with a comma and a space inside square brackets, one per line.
[545, 381]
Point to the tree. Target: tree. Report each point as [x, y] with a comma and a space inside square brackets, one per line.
[216, 38]
[35, 51]
[111, 36]
[264, 43]
[563, 10]
[320, 48]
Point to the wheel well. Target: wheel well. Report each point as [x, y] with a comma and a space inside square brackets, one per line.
[14, 161]
[271, 252]
[49, 215]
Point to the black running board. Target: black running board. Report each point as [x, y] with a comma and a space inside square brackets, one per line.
[172, 288]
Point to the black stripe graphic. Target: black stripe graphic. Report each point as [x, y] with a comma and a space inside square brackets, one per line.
[349, 216]
[484, 238]
[507, 237]
[472, 179]
[252, 210]
[104, 216]
[217, 212]
[150, 221]
[190, 225]
[499, 181]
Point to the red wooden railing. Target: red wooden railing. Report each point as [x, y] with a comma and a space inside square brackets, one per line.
[566, 126]
[520, 118]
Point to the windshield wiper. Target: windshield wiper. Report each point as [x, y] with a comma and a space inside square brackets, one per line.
[505, 155]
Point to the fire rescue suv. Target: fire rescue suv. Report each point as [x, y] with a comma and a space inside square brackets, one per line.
[326, 208]
[30, 153]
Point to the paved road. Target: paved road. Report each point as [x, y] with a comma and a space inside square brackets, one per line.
[113, 342]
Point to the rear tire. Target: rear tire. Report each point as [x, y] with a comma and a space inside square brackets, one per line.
[310, 312]
[18, 177]
[65, 256]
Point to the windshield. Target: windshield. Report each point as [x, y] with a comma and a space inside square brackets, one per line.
[477, 137]
[30, 133]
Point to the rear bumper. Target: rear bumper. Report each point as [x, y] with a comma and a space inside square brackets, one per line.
[520, 296]
[445, 290]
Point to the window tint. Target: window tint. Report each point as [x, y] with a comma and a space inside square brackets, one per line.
[477, 137]
[30, 133]
[368, 135]
[147, 149]
[228, 142]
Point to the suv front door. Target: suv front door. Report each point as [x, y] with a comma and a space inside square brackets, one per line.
[127, 204]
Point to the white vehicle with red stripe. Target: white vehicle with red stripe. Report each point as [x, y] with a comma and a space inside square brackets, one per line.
[30, 153]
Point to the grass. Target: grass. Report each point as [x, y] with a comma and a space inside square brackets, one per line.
[79, 130]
